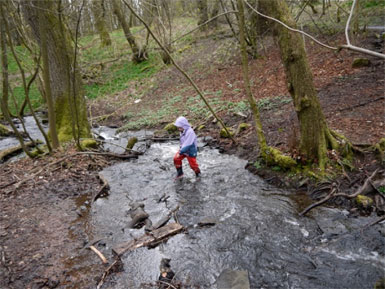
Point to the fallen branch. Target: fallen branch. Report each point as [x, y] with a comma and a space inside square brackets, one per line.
[324, 200]
[107, 272]
[148, 239]
[100, 255]
[120, 156]
[362, 190]
[13, 150]
[333, 194]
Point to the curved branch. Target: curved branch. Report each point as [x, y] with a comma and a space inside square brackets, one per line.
[291, 29]
[348, 22]
[347, 46]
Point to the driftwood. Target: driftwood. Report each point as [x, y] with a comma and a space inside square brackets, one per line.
[148, 239]
[364, 189]
[120, 156]
[100, 255]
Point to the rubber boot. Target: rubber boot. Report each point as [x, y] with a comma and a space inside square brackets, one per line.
[179, 173]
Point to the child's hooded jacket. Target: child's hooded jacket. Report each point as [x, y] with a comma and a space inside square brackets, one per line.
[188, 138]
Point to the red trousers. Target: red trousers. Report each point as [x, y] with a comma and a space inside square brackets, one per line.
[191, 160]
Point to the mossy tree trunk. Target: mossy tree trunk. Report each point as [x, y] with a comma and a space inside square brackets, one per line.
[269, 154]
[139, 53]
[203, 13]
[67, 95]
[315, 134]
[99, 11]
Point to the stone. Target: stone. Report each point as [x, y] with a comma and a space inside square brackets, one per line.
[131, 142]
[364, 201]
[233, 279]
[360, 62]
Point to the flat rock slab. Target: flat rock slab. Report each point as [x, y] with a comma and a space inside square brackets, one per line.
[233, 279]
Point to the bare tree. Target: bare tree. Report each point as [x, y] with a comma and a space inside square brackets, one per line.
[203, 13]
[41, 15]
[139, 53]
[316, 137]
[269, 154]
[99, 11]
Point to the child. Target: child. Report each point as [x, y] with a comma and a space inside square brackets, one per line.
[188, 148]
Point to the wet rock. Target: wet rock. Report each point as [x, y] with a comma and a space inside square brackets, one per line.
[207, 222]
[166, 274]
[233, 279]
[138, 215]
[331, 227]
[81, 211]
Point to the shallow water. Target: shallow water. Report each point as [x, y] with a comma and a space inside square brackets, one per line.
[33, 130]
[257, 228]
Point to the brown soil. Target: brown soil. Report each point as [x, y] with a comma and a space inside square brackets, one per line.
[42, 236]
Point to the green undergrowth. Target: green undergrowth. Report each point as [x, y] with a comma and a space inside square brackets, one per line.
[119, 75]
[170, 107]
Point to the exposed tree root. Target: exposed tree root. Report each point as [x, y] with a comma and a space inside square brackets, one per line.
[333, 193]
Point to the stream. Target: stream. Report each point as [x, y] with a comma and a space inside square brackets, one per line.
[238, 227]
[255, 228]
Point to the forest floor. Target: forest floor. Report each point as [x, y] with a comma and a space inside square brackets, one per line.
[43, 243]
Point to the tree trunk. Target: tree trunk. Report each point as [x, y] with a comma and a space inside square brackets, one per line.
[60, 60]
[5, 83]
[139, 53]
[315, 135]
[99, 14]
[203, 13]
[214, 12]
[269, 154]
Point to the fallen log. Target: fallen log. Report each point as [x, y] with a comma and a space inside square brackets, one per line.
[4, 154]
[148, 239]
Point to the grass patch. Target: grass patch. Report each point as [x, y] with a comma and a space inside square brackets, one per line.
[119, 75]
[18, 92]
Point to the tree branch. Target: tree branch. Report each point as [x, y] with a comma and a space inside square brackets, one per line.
[347, 46]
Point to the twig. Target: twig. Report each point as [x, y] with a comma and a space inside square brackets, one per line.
[168, 284]
[329, 196]
[100, 255]
[374, 222]
[364, 186]
[106, 273]
[104, 186]
[347, 46]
